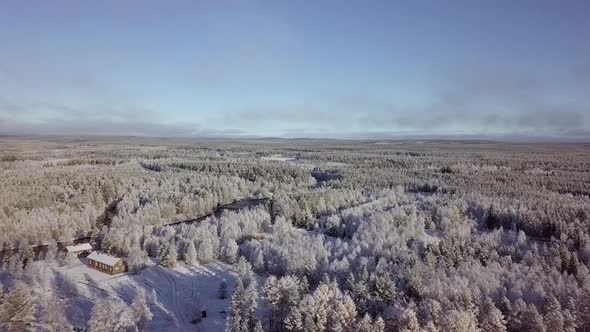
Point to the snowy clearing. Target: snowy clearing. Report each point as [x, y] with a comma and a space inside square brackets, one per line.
[182, 292]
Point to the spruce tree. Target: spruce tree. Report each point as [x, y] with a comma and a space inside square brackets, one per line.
[168, 255]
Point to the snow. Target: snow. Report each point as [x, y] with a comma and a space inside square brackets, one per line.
[104, 258]
[79, 247]
[278, 158]
[77, 269]
[178, 291]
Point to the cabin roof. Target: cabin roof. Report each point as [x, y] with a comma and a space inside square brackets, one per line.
[79, 247]
[103, 258]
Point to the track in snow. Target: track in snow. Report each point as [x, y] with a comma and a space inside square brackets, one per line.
[177, 310]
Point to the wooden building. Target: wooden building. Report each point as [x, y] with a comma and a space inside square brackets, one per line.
[79, 250]
[106, 263]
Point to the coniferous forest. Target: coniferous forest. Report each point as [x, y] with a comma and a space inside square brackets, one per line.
[313, 235]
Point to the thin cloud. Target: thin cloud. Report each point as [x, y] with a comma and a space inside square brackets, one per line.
[122, 120]
[111, 128]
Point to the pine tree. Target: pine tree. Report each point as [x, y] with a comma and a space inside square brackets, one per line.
[569, 321]
[409, 321]
[350, 282]
[492, 319]
[429, 327]
[258, 262]
[505, 306]
[258, 327]
[51, 253]
[245, 272]
[8, 253]
[28, 255]
[107, 242]
[233, 322]
[492, 218]
[205, 252]
[343, 314]
[191, 254]
[222, 292]
[532, 320]
[152, 246]
[250, 305]
[54, 316]
[140, 310]
[315, 311]
[294, 320]
[116, 313]
[584, 308]
[516, 318]
[229, 250]
[94, 234]
[17, 311]
[273, 296]
[460, 321]
[553, 316]
[15, 266]
[168, 255]
[365, 324]
[61, 258]
[385, 289]
[379, 325]
[136, 259]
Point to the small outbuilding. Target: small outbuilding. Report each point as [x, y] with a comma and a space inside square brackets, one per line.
[106, 263]
[79, 250]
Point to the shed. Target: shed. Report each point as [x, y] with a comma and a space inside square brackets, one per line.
[79, 250]
[106, 263]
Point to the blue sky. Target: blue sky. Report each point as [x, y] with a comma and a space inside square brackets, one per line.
[295, 69]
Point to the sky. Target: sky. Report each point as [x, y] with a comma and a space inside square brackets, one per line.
[339, 69]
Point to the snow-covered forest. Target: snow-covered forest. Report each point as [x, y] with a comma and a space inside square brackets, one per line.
[353, 235]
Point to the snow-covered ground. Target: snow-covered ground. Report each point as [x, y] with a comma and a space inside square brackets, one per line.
[182, 293]
[278, 158]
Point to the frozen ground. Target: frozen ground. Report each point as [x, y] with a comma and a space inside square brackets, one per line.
[181, 292]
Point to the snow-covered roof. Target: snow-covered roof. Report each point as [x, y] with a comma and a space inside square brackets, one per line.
[103, 258]
[79, 247]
